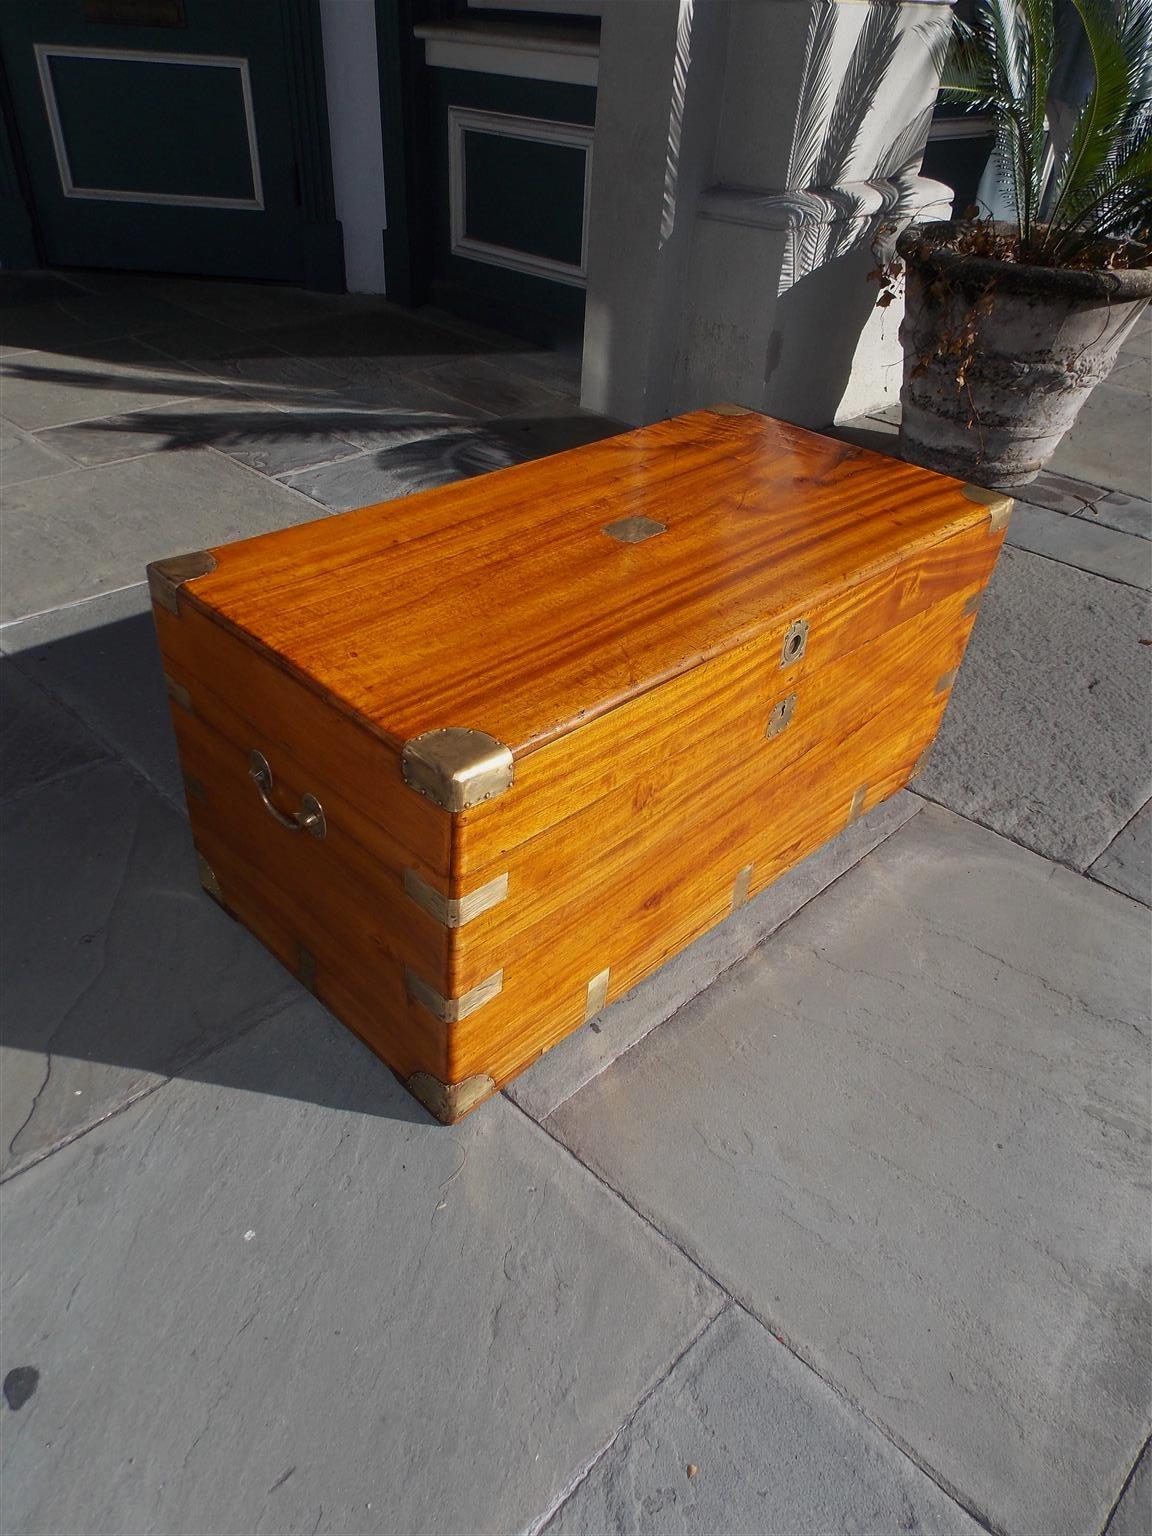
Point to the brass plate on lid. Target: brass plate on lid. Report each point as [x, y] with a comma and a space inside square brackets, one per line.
[634, 530]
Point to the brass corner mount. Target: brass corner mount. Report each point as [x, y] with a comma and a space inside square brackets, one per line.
[449, 1102]
[457, 768]
[999, 506]
[166, 577]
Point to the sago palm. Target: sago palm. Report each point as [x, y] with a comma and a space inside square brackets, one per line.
[1089, 202]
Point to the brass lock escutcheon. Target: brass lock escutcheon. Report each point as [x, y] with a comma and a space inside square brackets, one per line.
[795, 642]
[781, 717]
[309, 818]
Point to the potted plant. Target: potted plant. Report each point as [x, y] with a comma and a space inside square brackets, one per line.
[1008, 326]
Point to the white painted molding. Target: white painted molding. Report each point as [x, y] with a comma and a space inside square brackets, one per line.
[352, 75]
[829, 205]
[973, 125]
[46, 51]
[563, 60]
[553, 7]
[461, 121]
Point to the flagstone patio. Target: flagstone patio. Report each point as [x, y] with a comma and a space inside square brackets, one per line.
[839, 1223]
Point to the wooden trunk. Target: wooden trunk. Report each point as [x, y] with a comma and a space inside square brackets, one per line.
[475, 762]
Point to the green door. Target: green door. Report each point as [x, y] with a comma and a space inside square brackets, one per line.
[174, 135]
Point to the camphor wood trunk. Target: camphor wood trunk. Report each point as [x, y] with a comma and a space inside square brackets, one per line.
[475, 762]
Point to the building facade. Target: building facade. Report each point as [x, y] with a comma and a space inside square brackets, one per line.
[690, 189]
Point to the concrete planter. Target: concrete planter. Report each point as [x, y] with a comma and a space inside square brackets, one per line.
[1041, 338]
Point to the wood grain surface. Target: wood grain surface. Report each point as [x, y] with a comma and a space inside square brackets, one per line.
[634, 683]
[499, 604]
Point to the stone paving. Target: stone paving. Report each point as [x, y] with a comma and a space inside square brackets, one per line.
[840, 1223]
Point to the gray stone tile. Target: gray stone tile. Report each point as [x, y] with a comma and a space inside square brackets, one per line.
[1129, 514]
[362, 348]
[1133, 1516]
[416, 463]
[1062, 494]
[553, 427]
[39, 739]
[46, 389]
[398, 410]
[256, 307]
[424, 453]
[101, 659]
[77, 535]
[481, 337]
[190, 423]
[869, 432]
[118, 970]
[266, 373]
[1139, 343]
[488, 384]
[1133, 368]
[579, 1058]
[279, 1299]
[24, 458]
[909, 1134]
[1110, 444]
[247, 430]
[19, 290]
[370, 478]
[79, 319]
[1087, 545]
[192, 339]
[890, 413]
[1041, 740]
[1126, 864]
[775, 1452]
[558, 371]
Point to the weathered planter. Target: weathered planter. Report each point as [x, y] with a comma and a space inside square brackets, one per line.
[1041, 339]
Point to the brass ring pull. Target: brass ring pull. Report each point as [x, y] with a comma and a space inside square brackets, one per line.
[309, 818]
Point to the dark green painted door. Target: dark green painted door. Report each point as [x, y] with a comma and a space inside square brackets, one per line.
[508, 166]
[175, 135]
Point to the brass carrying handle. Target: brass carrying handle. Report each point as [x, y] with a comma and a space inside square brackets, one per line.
[309, 818]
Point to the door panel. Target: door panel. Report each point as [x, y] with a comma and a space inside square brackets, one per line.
[509, 161]
[196, 148]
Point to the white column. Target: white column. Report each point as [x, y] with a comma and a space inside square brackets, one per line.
[798, 126]
[352, 79]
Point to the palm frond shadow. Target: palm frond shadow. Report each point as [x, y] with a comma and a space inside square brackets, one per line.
[465, 451]
[830, 215]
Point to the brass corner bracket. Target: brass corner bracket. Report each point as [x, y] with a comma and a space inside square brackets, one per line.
[742, 886]
[454, 911]
[596, 996]
[457, 768]
[166, 577]
[999, 506]
[450, 1102]
[178, 693]
[727, 408]
[208, 877]
[450, 1010]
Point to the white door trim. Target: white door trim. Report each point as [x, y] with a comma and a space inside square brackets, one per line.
[47, 51]
[540, 130]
